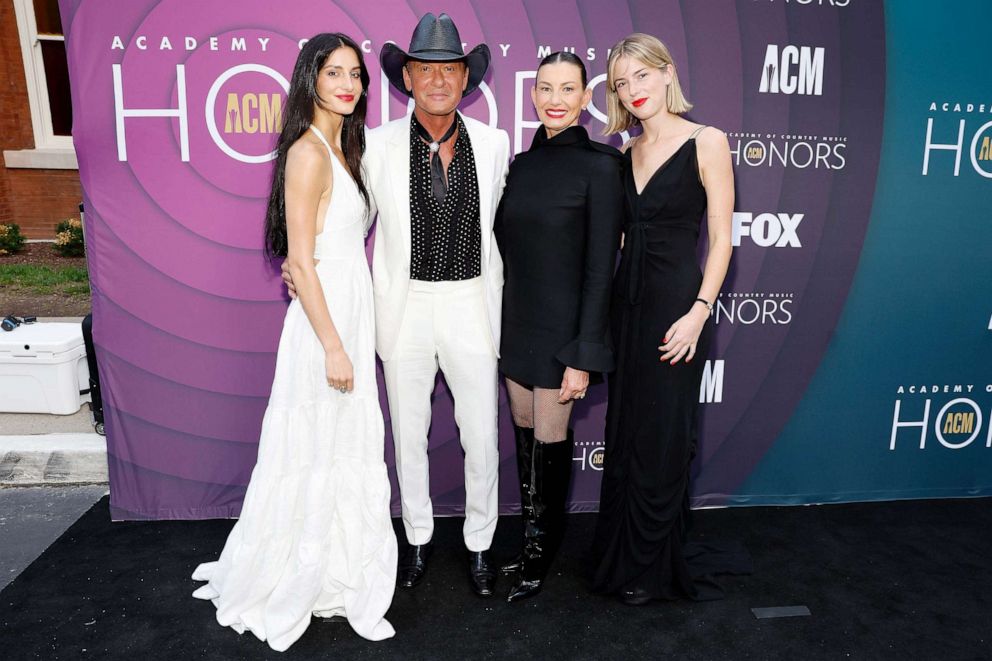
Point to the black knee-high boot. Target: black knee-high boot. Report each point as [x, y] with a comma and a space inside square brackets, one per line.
[525, 455]
[550, 479]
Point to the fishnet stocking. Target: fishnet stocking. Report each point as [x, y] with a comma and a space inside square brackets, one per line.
[538, 408]
[521, 404]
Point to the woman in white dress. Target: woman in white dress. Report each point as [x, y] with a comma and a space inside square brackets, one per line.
[315, 535]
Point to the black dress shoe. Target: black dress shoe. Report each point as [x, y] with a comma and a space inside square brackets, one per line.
[481, 573]
[413, 564]
[635, 597]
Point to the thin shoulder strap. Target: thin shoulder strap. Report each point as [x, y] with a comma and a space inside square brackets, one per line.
[320, 136]
[697, 132]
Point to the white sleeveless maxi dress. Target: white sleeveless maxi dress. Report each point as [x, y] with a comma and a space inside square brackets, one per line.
[315, 534]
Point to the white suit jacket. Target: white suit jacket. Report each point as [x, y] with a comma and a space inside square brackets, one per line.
[387, 171]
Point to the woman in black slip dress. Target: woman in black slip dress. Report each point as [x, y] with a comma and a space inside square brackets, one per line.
[558, 228]
[659, 320]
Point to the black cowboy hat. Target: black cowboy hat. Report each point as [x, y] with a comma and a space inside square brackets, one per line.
[435, 39]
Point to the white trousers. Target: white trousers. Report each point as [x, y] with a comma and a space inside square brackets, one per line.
[445, 325]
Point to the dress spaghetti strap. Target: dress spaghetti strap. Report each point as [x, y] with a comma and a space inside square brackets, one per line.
[320, 136]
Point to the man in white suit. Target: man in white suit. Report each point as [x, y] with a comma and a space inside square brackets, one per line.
[436, 178]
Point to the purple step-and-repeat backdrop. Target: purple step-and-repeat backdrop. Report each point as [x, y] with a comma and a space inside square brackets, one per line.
[176, 110]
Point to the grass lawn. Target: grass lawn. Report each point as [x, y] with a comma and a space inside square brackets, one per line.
[38, 281]
[45, 280]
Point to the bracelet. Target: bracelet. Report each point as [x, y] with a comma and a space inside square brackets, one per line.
[709, 306]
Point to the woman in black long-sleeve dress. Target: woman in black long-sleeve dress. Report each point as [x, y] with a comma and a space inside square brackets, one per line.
[558, 227]
[660, 322]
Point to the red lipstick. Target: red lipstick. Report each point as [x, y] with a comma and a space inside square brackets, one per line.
[637, 103]
[347, 98]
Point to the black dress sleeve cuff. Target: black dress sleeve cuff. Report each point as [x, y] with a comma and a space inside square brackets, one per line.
[587, 356]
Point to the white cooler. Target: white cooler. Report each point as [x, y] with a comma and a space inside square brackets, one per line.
[43, 368]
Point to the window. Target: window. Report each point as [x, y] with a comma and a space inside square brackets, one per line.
[47, 76]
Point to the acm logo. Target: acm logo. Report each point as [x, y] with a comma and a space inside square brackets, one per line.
[770, 150]
[246, 111]
[957, 424]
[589, 456]
[792, 70]
[253, 113]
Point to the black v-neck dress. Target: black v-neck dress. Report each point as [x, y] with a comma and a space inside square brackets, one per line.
[651, 421]
[558, 230]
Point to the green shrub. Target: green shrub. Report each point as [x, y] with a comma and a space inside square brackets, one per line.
[11, 239]
[69, 238]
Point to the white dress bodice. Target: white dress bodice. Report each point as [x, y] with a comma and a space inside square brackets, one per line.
[343, 234]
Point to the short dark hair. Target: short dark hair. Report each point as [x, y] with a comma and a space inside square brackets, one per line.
[567, 57]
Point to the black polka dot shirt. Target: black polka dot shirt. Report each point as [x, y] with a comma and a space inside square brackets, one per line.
[446, 237]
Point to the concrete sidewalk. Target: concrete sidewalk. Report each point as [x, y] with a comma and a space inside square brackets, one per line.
[40, 449]
[30, 424]
[53, 459]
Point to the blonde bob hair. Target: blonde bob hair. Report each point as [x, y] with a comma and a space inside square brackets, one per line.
[653, 53]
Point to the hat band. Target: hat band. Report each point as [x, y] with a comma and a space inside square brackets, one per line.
[444, 51]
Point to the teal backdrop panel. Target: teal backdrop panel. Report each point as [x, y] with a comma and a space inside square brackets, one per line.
[901, 404]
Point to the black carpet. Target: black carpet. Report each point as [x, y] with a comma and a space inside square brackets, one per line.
[904, 580]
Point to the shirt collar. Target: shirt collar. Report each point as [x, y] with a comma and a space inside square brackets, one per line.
[573, 135]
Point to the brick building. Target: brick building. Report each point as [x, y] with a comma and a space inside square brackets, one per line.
[39, 179]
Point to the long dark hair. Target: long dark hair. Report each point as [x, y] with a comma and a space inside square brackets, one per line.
[567, 57]
[297, 118]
